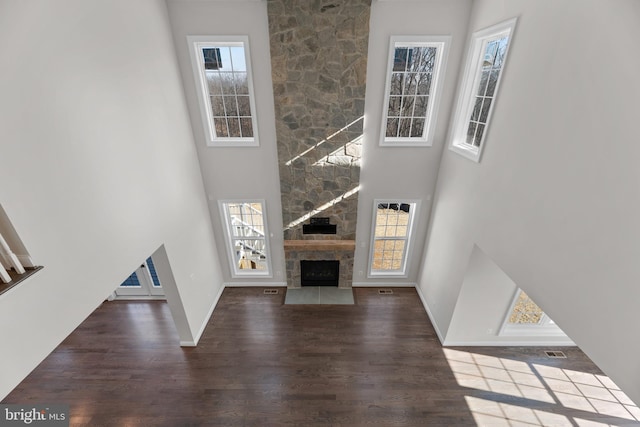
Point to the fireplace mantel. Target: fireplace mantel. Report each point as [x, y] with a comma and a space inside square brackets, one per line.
[319, 245]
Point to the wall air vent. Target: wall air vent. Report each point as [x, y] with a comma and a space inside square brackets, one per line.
[385, 291]
[555, 354]
[270, 292]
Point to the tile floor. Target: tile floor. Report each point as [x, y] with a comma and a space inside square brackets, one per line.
[319, 295]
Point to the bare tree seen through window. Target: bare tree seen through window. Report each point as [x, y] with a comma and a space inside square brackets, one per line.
[410, 88]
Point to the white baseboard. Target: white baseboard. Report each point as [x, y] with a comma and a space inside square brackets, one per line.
[431, 318]
[206, 321]
[549, 344]
[382, 285]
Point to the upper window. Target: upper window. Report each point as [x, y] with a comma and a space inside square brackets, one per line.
[485, 65]
[392, 223]
[223, 77]
[413, 84]
[246, 229]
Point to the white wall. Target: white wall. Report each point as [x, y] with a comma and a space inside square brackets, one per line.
[98, 167]
[554, 200]
[404, 172]
[483, 304]
[228, 172]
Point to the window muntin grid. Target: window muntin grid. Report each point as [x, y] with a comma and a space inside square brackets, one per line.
[489, 73]
[412, 83]
[247, 237]
[391, 231]
[222, 68]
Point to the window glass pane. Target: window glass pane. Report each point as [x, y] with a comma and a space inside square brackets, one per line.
[471, 132]
[230, 106]
[485, 110]
[417, 128]
[217, 106]
[237, 56]
[411, 83]
[420, 109]
[153, 273]
[525, 311]
[228, 85]
[490, 53]
[475, 114]
[394, 106]
[220, 124]
[392, 128]
[234, 127]
[225, 56]
[131, 282]
[502, 47]
[242, 84]
[424, 84]
[478, 138]
[214, 84]
[400, 58]
[422, 59]
[484, 78]
[244, 106]
[246, 127]
[405, 127]
[212, 59]
[396, 83]
[407, 106]
[493, 80]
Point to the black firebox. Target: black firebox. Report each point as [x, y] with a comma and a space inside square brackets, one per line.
[319, 273]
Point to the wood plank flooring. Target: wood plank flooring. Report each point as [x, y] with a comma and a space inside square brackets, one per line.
[262, 363]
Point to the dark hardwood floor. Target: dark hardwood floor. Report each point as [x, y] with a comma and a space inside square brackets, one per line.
[262, 363]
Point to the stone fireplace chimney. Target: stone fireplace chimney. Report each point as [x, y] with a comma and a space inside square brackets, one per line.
[319, 62]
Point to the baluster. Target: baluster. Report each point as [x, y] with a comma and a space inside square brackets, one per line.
[13, 259]
[4, 276]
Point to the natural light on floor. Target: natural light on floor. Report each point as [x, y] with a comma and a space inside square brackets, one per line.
[533, 390]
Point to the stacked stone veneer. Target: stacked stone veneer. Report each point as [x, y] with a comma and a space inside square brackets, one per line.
[319, 62]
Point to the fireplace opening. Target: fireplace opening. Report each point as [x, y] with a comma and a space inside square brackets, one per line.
[319, 273]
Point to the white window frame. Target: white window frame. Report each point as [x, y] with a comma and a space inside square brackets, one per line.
[441, 43]
[545, 327]
[402, 273]
[237, 272]
[196, 44]
[469, 87]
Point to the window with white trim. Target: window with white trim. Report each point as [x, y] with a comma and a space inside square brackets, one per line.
[525, 317]
[481, 81]
[414, 77]
[222, 70]
[246, 231]
[392, 225]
